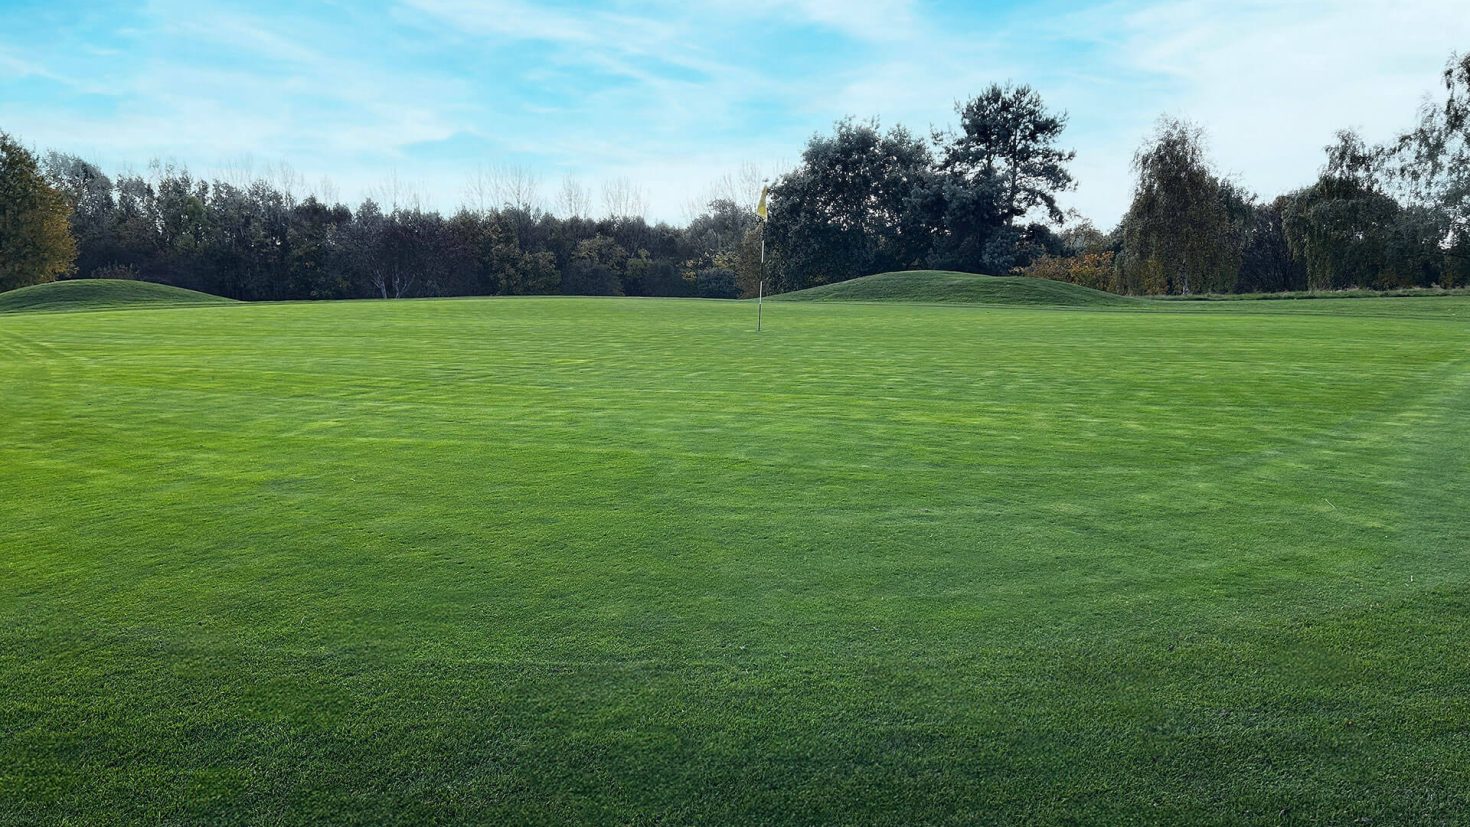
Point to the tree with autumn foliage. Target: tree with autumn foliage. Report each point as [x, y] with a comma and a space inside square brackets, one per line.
[36, 244]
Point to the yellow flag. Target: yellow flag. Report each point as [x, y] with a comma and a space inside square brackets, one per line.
[760, 207]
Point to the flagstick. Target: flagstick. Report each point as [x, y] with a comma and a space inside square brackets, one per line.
[760, 299]
[760, 288]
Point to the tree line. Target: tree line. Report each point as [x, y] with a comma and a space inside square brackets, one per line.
[258, 241]
[979, 197]
[983, 198]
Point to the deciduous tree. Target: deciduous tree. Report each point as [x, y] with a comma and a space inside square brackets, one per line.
[848, 210]
[1178, 235]
[36, 243]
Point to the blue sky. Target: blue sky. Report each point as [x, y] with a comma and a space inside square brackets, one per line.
[416, 97]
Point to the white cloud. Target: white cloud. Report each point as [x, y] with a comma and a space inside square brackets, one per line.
[872, 20]
[686, 91]
[1271, 82]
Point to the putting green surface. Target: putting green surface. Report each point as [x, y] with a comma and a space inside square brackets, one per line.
[555, 560]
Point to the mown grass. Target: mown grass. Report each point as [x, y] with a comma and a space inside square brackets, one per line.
[946, 287]
[100, 294]
[1346, 293]
[625, 561]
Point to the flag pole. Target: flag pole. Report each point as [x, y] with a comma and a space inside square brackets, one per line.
[760, 288]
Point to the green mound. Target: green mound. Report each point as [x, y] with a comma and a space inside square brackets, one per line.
[100, 294]
[942, 286]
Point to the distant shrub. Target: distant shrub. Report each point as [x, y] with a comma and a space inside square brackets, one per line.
[115, 271]
[717, 283]
[584, 277]
[1091, 269]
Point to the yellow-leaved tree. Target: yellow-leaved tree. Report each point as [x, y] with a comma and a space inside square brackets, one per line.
[36, 243]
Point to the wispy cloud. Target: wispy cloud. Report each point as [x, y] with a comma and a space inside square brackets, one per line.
[674, 94]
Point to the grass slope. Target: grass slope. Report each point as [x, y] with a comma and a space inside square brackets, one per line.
[626, 561]
[100, 294]
[945, 287]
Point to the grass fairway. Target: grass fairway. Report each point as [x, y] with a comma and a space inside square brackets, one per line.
[625, 561]
[946, 287]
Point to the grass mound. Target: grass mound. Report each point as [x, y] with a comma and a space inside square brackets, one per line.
[943, 286]
[100, 294]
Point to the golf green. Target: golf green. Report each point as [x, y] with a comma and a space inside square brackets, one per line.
[617, 560]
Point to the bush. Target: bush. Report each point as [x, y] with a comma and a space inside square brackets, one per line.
[1093, 270]
[717, 283]
[584, 277]
[115, 271]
